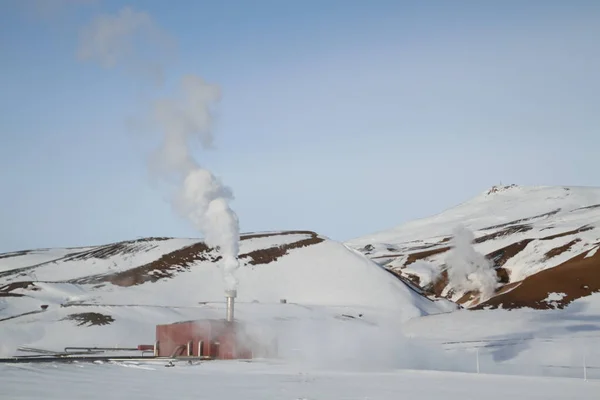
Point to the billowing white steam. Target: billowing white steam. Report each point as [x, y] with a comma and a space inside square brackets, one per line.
[467, 269]
[132, 40]
[201, 197]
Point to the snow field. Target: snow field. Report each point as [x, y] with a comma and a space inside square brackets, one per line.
[215, 380]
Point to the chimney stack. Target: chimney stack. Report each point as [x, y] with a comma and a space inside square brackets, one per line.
[230, 295]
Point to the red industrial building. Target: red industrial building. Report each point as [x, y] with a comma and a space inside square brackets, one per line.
[207, 339]
[212, 338]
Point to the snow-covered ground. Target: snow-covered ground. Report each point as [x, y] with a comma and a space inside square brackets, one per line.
[321, 281]
[523, 341]
[348, 329]
[257, 380]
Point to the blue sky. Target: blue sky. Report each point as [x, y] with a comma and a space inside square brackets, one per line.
[343, 117]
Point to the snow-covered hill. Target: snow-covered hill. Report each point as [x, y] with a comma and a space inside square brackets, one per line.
[541, 241]
[340, 304]
[124, 289]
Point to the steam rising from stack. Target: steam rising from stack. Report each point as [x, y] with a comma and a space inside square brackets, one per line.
[200, 197]
[467, 269]
[131, 40]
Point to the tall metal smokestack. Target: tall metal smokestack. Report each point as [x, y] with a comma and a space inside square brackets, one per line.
[230, 295]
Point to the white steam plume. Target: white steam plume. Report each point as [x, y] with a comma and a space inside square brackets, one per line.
[130, 39]
[200, 196]
[467, 269]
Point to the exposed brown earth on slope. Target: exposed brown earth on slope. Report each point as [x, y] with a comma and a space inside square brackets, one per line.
[89, 318]
[417, 254]
[584, 228]
[468, 296]
[587, 208]
[423, 247]
[168, 264]
[519, 221]
[415, 288]
[425, 254]
[164, 267]
[412, 257]
[113, 249]
[440, 284]
[503, 275]
[501, 256]
[509, 251]
[9, 294]
[411, 277]
[500, 188]
[388, 256]
[15, 254]
[182, 259]
[507, 287]
[268, 255]
[118, 248]
[559, 250]
[247, 236]
[498, 257]
[99, 252]
[577, 277]
[511, 230]
[22, 271]
[6, 290]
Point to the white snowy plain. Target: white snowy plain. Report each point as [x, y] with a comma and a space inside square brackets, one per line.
[268, 380]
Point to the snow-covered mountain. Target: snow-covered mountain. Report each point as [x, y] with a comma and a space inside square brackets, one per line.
[542, 243]
[376, 295]
[126, 288]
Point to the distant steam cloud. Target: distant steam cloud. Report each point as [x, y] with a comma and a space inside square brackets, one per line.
[467, 269]
[129, 39]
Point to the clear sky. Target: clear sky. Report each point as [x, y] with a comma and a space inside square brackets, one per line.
[340, 116]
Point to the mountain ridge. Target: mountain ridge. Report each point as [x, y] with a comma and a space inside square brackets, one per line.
[523, 230]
